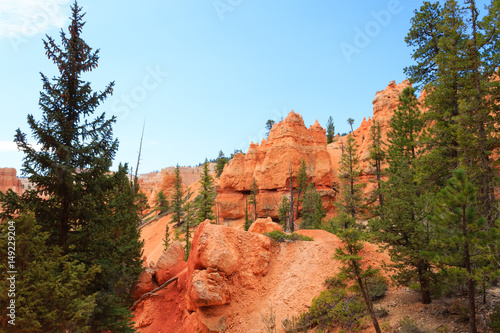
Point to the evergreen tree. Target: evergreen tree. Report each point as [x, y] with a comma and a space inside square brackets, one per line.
[188, 220]
[269, 126]
[464, 242]
[166, 240]
[377, 155]
[330, 130]
[302, 180]
[284, 211]
[403, 229]
[177, 198]
[350, 121]
[86, 211]
[312, 209]
[206, 197]
[352, 237]
[220, 162]
[248, 221]
[141, 200]
[50, 286]
[350, 192]
[252, 198]
[161, 203]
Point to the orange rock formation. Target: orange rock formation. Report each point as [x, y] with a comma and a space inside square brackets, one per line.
[9, 180]
[269, 164]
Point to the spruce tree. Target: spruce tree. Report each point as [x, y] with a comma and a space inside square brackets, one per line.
[465, 243]
[206, 197]
[50, 286]
[177, 198]
[86, 211]
[330, 130]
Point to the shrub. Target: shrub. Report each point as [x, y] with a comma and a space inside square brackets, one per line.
[280, 236]
[377, 286]
[407, 325]
[335, 307]
[495, 319]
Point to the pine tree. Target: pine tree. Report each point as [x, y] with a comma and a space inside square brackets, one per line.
[350, 198]
[403, 229]
[352, 237]
[248, 221]
[252, 198]
[220, 162]
[377, 155]
[330, 130]
[166, 240]
[302, 180]
[161, 203]
[464, 241]
[188, 220]
[177, 198]
[284, 211]
[88, 212]
[312, 209]
[350, 121]
[206, 197]
[50, 286]
[269, 126]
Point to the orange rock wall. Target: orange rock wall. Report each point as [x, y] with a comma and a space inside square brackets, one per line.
[269, 164]
[9, 180]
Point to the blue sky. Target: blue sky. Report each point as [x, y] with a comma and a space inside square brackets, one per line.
[207, 75]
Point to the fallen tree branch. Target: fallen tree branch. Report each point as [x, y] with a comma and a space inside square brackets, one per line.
[152, 293]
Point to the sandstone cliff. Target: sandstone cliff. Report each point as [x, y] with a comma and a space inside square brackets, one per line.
[269, 164]
[9, 180]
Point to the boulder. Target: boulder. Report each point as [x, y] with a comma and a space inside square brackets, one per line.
[261, 226]
[171, 263]
[145, 283]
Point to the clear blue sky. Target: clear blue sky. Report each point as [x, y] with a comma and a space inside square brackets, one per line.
[207, 75]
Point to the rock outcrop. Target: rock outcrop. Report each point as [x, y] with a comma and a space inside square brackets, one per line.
[269, 164]
[261, 226]
[9, 180]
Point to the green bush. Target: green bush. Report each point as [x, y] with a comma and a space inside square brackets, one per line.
[407, 325]
[495, 319]
[377, 286]
[280, 236]
[335, 307]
